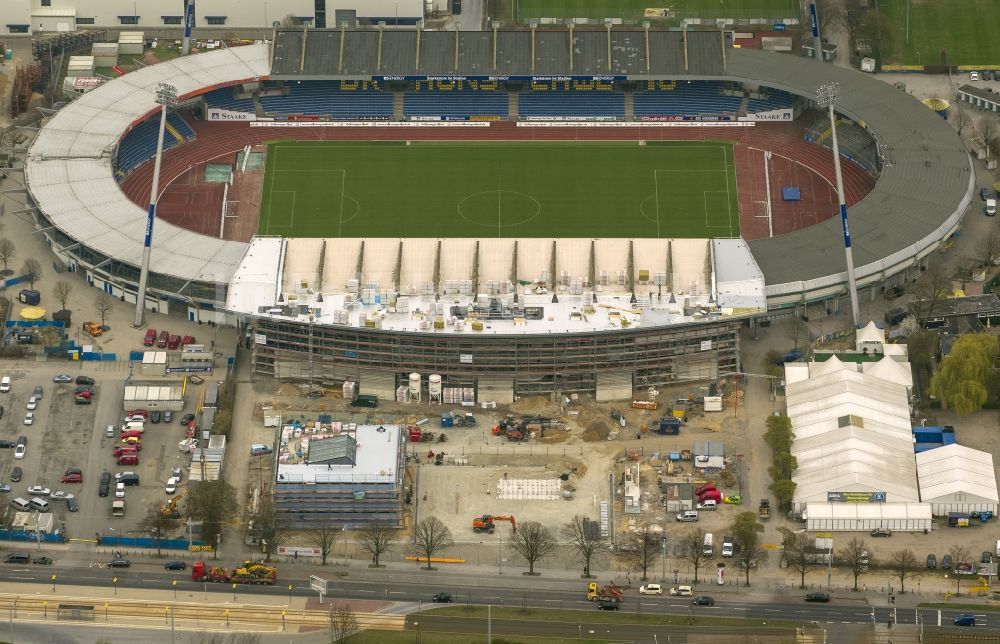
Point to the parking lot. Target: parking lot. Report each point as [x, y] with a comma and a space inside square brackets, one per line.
[68, 435]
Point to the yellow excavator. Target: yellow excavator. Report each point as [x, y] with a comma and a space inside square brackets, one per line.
[169, 509]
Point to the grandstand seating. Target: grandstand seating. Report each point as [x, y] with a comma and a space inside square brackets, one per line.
[684, 98]
[571, 103]
[455, 104]
[855, 142]
[225, 99]
[330, 99]
[139, 145]
[776, 100]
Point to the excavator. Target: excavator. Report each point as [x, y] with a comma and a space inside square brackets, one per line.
[170, 508]
[486, 523]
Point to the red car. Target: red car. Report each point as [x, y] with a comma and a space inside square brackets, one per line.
[72, 476]
[128, 459]
[118, 450]
[137, 412]
[188, 339]
[163, 339]
[150, 338]
[175, 341]
[131, 433]
[708, 487]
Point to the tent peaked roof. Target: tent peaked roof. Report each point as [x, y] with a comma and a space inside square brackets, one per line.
[870, 333]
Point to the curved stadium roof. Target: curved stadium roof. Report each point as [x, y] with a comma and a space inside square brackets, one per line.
[924, 189]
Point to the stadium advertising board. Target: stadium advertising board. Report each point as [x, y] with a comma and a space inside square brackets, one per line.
[215, 114]
[499, 78]
[772, 115]
[681, 117]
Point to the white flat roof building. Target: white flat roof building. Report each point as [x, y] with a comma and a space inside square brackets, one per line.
[955, 478]
[375, 460]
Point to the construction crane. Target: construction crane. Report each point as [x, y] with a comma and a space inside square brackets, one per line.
[620, 308]
[486, 523]
[170, 508]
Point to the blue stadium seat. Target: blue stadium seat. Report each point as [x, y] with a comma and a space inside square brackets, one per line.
[455, 104]
[572, 103]
[330, 99]
[225, 99]
[139, 145]
[776, 100]
[685, 99]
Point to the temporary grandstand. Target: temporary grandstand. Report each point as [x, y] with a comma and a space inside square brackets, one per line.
[296, 292]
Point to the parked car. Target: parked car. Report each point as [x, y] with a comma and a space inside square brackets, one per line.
[119, 490]
[72, 505]
[188, 339]
[973, 76]
[894, 292]
[29, 418]
[164, 338]
[175, 565]
[707, 504]
[62, 378]
[37, 393]
[186, 418]
[32, 404]
[4, 488]
[984, 193]
[38, 490]
[15, 475]
[881, 532]
[155, 417]
[681, 591]
[84, 380]
[987, 557]
[708, 487]
[946, 562]
[6, 444]
[84, 390]
[19, 451]
[171, 485]
[174, 342]
[140, 413]
[703, 600]
[607, 604]
[150, 338]
[61, 495]
[196, 380]
[109, 431]
[931, 562]
[650, 589]
[72, 476]
[818, 597]
[119, 563]
[168, 416]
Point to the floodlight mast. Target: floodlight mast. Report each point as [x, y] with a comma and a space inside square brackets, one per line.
[166, 95]
[826, 95]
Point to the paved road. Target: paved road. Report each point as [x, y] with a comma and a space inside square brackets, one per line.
[417, 593]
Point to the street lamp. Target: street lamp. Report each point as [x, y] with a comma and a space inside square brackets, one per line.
[166, 95]
[826, 96]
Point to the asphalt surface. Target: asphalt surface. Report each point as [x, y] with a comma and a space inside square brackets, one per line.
[417, 593]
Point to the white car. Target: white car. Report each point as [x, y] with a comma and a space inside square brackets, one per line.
[60, 494]
[109, 432]
[681, 591]
[38, 490]
[171, 485]
[120, 490]
[32, 403]
[650, 589]
[973, 76]
[29, 418]
[708, 504]
[19, 451]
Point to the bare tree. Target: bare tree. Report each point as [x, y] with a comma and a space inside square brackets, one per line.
[158, 525]
[795, 330]
[533, 541]
[62, 292]
[959, 555]
[855, 555]
[103, 305]
[643, 548]
[585, 538]
[691, 545]
[931, 288]
[800, 553]
[323, 539]
[832, 15]
[272, 534]
[343, 623]
[376, 540]
[431, 536]
[989, 130]
[988, 248]
[32, 270]
[746, 529]
[903, 564]
[962, 119]
[8, 251]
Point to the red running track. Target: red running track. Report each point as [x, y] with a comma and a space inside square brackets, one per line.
[189, 203]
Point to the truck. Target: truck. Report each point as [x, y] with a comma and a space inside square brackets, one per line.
[118, 508]
[610, 592]
[991, 207]
[29, 296]
[764, 510]
[645, 404]
[248, 573]
[365, 400]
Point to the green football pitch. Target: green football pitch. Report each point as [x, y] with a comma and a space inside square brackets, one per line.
[634, 9]
[478, 189]
[965, 29]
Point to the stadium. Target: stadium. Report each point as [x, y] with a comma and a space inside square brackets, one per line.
[514, 212]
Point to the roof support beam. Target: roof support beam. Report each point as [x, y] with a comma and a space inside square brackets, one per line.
[454, 69]
[532, 50]
[378, 57]
[302, 57]
[722, 43]
[495, 36]
[684, 36]
[416, 65]
[571, 48]
[608, 25]
[649, 63]
[343, 36]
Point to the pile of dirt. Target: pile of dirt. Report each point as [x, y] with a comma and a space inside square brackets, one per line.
[531, 405]
[596, 431]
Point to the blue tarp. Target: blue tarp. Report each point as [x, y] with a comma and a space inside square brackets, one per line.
[8, 535]
[147, 542]
[27, 324]
[791, 194]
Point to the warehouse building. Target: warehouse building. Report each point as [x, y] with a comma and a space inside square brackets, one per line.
[343, 479]
[955, 478]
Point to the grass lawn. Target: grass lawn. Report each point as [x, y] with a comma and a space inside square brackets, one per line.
[625, 615]
[520, 189]
[966, 29]
[410, 637]
[633, 9]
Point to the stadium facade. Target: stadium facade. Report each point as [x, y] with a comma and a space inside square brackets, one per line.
[45, 16]
[309, 314]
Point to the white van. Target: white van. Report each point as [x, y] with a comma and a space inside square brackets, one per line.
[727, 546]
[40, 504]
[707, 548]
[134, 425]
[259, 449]
[5, 384]
[687, 515]
[991, 207]
[21, 504]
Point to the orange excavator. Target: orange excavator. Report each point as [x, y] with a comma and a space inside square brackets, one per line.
[486, 523]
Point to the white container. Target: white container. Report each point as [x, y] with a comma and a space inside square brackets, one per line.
[415, 384]
[434, 385]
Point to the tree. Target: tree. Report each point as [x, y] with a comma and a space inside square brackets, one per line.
[62, 292]
[959, 555]
[989, 130]
[800, 552]
[877, 29]
[266, 525]
[832, 15]
[323, 539]
[988, 248]
[213, 503]
[691, 545]
[903, 564]
[784, 492]
[778, 433]
[32, 271]
[8, 251]
[643, 548]
[962, 119]
[855, 555]
[933, 286]
[774, 364]
[533, 541]
[746, 532]
[343, 623]
[965, 377]
[795, 330]
[584, 537]
[377, 540]
[431, 536]
[103, 306]
[157, 526]
[783, 466]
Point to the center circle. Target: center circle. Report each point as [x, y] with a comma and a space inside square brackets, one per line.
[499, 208]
